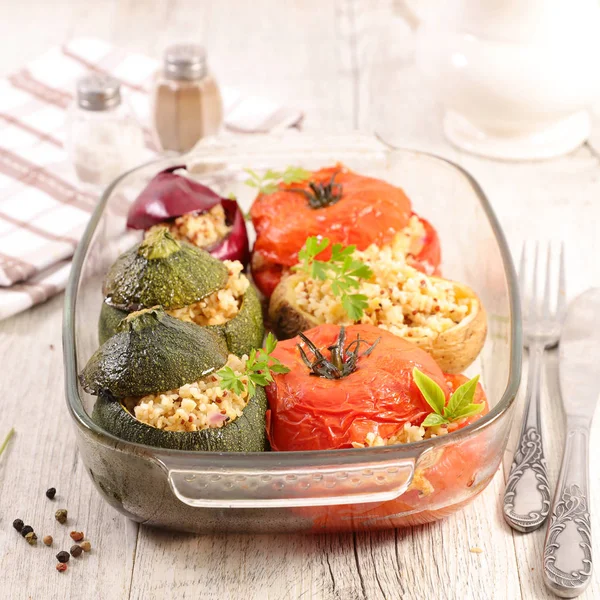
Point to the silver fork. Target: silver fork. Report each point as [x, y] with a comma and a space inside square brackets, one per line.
[527, 495]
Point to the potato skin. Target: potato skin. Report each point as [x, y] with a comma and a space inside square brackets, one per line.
[286, 319]
[454, 350]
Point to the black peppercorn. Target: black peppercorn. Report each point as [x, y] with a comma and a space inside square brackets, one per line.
[63, 556]
[50, 493]
[76, 550]
[18, 524]
[25, 530]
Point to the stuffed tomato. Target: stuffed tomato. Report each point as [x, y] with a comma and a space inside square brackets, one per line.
[346, 207]
[360, 386]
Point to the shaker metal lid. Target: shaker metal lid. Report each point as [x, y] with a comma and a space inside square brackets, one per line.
[98, 92]
[185, 61]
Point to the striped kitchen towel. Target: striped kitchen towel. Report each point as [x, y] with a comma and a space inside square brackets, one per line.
[43, 207]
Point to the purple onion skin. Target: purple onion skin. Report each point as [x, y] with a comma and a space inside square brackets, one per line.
[169, 195]
[235, 245]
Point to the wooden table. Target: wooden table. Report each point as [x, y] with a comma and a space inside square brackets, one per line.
[324, 57]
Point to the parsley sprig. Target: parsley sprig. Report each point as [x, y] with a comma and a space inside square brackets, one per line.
[269, 182]
[344, 271]
[459, 406]
[260, 367]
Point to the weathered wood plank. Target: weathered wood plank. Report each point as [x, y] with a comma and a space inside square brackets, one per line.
[43, 454]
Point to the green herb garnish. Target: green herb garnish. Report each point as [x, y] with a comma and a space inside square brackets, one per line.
[459, 406]
[6, 440]
[269, 182]
[260, 367]
[344, 271]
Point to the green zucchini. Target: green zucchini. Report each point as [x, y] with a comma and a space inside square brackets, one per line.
[241, 334]
[109, 320]
[247, 433]
[162, 271]
[152, 352]
[246, 330]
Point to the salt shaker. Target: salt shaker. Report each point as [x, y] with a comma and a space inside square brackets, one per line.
[103, 137]
[187, 104]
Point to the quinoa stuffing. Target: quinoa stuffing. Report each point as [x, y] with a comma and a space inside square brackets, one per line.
[400, 298]
[202, 230]
[410, 239]
[408, 433]
[194, 406]
[220, 306]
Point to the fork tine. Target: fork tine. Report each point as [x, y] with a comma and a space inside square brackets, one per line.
[523, 276]
[561, 300]
[546, 298]
[533, 301]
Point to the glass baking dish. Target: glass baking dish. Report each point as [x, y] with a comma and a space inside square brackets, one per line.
[337, 490]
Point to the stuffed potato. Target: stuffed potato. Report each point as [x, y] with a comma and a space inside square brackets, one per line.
[444, 318]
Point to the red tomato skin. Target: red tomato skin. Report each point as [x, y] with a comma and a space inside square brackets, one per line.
[370, 211]
[459, 473]
[314, 413]
[429, 258]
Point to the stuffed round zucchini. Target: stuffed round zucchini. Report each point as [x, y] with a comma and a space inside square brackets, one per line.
[190, 284]
[378, 287]
[171, 384]
[346, 207]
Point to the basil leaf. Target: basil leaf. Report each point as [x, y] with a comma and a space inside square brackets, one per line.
[462, 397]
[469, 411]
[433, 419]
[431, 391]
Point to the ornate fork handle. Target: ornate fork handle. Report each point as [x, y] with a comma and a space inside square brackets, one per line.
[568, 547]
[531, 498]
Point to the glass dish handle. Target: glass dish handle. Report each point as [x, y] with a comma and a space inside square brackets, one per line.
[281, 487]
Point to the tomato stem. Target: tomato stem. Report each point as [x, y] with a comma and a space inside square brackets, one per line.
[342, 360]
[321, 194]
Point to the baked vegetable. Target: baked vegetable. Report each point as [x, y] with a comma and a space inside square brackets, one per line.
[361, 386]
[245, 434]
[151, 352]
[334, 202]
[166, 383]
[242, 333]
[182, 204]
[190, 284]
[442, 317]
[162, 271]
[365, 387]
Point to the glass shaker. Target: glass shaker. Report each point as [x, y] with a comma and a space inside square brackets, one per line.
[187, 104]
[103, 137]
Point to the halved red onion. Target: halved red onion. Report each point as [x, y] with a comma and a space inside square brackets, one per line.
[169, 195]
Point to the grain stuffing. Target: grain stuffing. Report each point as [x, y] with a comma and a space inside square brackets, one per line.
[194, 406]
[400, 299]
[220, 306]
[202, 230]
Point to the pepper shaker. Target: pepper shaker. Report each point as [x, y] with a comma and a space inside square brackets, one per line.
[187, 104]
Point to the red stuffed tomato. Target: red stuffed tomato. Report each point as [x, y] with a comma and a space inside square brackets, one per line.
[334, 202]
[341, 393]
[376, 395]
